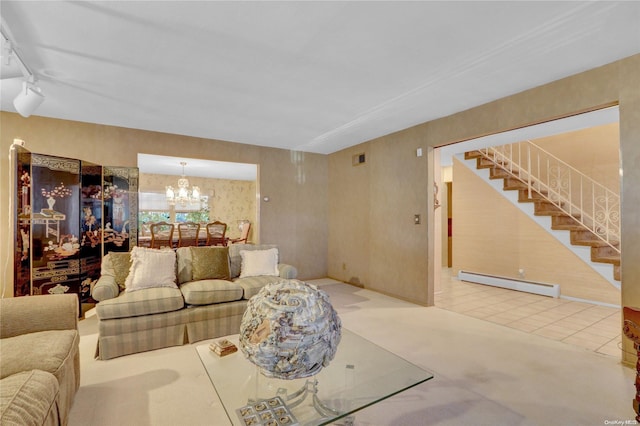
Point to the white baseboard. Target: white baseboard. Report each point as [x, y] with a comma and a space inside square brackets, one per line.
[544, 289]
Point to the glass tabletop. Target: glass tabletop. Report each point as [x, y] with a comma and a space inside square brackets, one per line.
[361, 374]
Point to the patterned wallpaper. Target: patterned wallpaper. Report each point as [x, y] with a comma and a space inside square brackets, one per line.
[229, 200]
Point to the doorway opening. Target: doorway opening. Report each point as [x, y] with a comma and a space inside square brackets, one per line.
[568, 138]
[489, 246]
[228, 193]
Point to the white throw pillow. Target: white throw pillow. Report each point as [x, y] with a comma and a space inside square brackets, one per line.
[151, 268]
[259, 262]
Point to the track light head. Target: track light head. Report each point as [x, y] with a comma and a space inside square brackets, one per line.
[28, 100]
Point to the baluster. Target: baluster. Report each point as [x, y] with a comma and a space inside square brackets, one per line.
[581, 200]
[529, 169]
[569, 189]
[593, 207]
[606, 215]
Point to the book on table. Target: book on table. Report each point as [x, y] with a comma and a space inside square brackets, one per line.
[223, 347]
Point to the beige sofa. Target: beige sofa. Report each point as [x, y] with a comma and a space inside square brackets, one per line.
[39, 359]
[196, 309]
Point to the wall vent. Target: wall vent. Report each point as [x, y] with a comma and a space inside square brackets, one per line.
[358, 159]
[544, 289]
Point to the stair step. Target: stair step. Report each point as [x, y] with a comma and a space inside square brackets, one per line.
[512, 184]
[523, 196]
[547, 208]
[585, 237]
[500, 173]
[604, 250]
[608, 249]
[617, 272]
[567, 227]
[566, 223]
[484, 163]
[472, 154]
[614, 260]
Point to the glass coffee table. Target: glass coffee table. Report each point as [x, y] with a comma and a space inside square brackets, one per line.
[361, 374]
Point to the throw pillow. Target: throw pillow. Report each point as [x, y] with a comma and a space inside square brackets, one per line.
[151, 268]
[259, 262]
[210, 263]
[235, 261]
[121, 263]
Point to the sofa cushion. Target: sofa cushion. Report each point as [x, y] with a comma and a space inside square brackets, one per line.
[210, 263]
[117, 265]
[42, 350]
[151, 268]
[259, 262]
[29, 398]
[206, 292]
[142, 302]
[185, 265]
[252, 285]
[235, 261]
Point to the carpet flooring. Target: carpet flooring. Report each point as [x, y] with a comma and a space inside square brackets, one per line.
[485, 374]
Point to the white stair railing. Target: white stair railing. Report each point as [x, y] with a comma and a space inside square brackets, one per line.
[591, 204]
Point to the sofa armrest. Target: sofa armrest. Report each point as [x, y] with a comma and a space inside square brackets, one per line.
[105, 288]
[30, 314]
[287, 271]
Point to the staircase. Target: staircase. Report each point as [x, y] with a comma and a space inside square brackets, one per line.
[586, 228]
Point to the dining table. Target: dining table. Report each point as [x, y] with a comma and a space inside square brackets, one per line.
[145, 240]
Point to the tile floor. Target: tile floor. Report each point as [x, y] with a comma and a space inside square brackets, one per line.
[597, 328]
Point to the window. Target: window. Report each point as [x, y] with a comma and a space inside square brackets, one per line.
[200, 216]
[151, 216]
[153, 207]
[152, 201]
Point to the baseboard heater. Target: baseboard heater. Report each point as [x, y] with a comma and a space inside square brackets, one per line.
[552, 290]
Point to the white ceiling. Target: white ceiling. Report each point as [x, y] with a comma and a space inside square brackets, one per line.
[310, 76]
[162, 165]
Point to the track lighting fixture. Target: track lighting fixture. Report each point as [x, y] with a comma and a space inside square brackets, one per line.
[28, 100]
[30, 97]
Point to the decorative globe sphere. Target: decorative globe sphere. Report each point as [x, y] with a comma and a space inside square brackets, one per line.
[290, 330]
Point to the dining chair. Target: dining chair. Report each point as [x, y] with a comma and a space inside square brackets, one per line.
[244, 234]
[161, 235]
[216, 233]
[188, 234]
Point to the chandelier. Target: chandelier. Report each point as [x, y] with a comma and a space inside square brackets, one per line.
[183, 195]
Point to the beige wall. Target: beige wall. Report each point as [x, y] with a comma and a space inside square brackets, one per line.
[295, 218]
[594, 151]
[494, 237]
[229, 200]
[373, 240]
[398, 252]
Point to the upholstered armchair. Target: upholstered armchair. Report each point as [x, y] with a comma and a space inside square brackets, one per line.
[39, 358]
